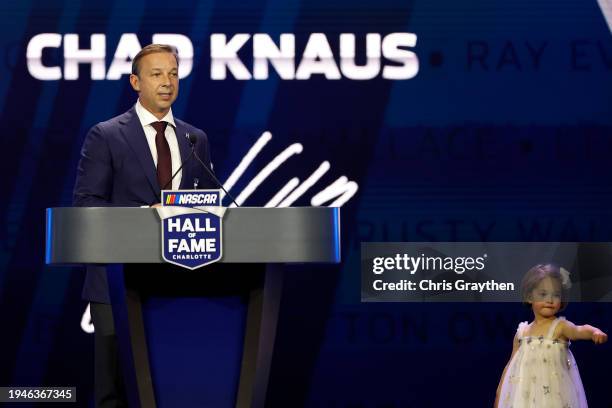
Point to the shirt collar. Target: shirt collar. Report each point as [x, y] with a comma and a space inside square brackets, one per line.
[146, 117]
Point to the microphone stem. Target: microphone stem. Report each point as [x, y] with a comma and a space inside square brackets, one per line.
[179, 169]
[210, 173]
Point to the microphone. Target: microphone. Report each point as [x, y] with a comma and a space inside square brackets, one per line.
[192, 140]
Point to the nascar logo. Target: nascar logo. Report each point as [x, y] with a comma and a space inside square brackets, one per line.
[191, 237]
[189, 199]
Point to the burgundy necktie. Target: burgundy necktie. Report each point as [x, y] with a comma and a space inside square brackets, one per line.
[164, 160]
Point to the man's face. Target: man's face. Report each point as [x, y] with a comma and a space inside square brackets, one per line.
[157, 82]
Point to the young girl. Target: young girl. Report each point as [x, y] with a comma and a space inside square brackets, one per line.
[542, 372]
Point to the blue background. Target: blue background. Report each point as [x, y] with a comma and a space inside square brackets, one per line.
[499, 148]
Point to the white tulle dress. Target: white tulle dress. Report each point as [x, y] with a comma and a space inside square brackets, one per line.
[542, 374]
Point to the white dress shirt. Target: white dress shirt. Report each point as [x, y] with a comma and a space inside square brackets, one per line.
[146, 118]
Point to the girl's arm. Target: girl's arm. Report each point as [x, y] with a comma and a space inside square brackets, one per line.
[584, 332]
[515, 346]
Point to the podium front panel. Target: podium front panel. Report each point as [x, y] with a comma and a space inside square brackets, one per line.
[133, 235]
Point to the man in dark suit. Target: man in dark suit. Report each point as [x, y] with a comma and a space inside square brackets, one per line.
[125, 162]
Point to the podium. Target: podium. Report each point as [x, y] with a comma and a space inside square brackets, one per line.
[203, 337]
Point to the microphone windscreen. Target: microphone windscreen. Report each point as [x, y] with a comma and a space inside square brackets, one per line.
[192, 138]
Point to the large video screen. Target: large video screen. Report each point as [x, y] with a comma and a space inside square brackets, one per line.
[424, 121]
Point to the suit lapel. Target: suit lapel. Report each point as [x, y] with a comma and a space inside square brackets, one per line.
[134, 135]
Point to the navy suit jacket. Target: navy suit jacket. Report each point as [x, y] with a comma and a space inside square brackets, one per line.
[117, 169]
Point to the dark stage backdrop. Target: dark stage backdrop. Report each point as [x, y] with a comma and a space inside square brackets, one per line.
[482, 121]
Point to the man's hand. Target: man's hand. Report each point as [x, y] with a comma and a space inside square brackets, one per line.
[155, 205]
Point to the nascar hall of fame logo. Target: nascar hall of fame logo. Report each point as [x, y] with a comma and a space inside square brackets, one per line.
[191, 227]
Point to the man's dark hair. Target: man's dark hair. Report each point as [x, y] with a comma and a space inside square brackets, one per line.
[151, 49]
